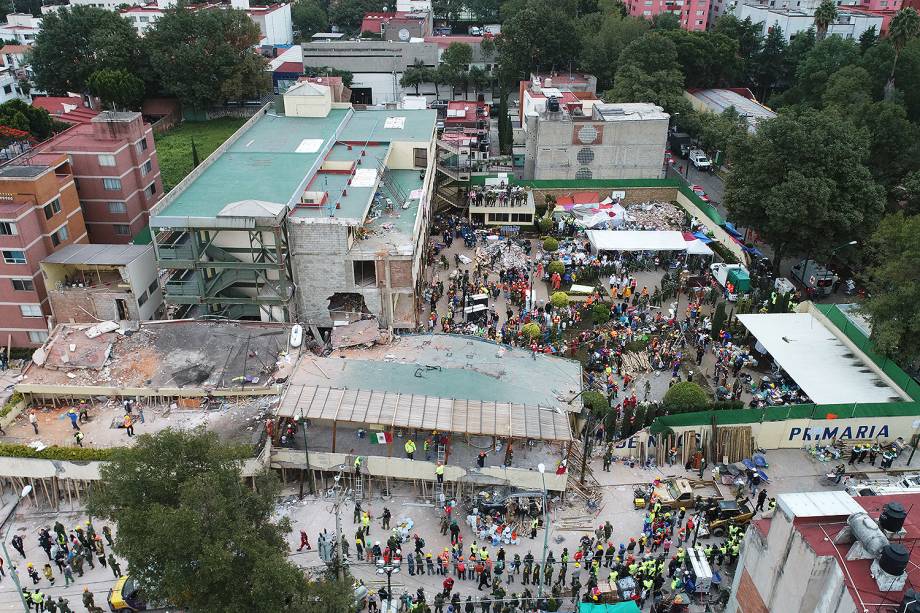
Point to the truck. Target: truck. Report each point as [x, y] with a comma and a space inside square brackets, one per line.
[679, 143]
[125, 596]
[815, 276]
[727, 513]
[674, 493]
[733, 277]
[700, 160]
[906, 484]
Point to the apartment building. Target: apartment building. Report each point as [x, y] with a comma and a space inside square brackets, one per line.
[274, 20]
[117, 173]
[693, 14]
[20, 27]
[318, 214]
[39, 214]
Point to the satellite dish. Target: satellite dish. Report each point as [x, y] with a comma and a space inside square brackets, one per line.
[404, 34]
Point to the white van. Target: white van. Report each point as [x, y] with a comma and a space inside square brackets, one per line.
[699, 160]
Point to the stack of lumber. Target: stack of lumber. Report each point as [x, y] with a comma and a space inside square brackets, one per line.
[635, 363]
[734, 443]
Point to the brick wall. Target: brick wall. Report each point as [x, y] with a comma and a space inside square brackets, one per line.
[83, 306]
[749, 600]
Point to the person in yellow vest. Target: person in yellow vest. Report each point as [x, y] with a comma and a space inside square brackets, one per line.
[410, 448]
[357, 464]
[366, 523]
[439, 472]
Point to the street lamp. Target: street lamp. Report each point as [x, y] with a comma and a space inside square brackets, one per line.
[389, 569]
[833, 251]
[25, 492]
[542, 468]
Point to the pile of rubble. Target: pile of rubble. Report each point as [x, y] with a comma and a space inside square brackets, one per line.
[655, 216]
[502, 254]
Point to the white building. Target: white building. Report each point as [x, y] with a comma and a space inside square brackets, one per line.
[109, 5]
[274, 21]
[609, 141]
[21, 27]
[794, 21]
[413, 6]
[9, 86]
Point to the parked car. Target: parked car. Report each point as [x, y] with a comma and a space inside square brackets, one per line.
[700, 160]
[699, 192]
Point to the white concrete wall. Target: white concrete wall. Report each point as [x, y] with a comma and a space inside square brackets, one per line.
[276, 26]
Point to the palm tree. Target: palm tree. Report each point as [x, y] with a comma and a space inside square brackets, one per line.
[904, 27]
[414, 75]
[825, 15]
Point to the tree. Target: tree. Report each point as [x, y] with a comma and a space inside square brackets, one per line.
[21, 116]
[308, 18]
[478, 78]
[415, 75]
[484, 10]
[77, 41]
[455, 62]
[447, 9]
[192, 533]
[556, 266]
[537, 37]
[802, 183]
[600, 313]
[718, 321]
[708, 59]
[825, 15]
[868, 38]
[904, 27]
[649, 71]
[767, 66]
[550, 245]
[909, 193]
[116, 87]
[746, 33]
[206, 57]
[685, 396]
[348, 14]
[666, 21]
[813, 72]
[893, 283]
[531, 331]
[603, 40]
[849, 89]
[893, 141]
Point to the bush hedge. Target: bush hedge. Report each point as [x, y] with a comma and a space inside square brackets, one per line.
[13, 400]
[686, 396]
[550, 244]
[545, 224]
[559, 299]
[600, 313]
[556, 267]
[531, 330]
[76, 454]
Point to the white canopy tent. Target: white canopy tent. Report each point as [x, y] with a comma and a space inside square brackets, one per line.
[636, 240]
[698, 247]
[818, 361]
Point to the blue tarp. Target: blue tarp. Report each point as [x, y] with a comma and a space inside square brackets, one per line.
[706, 240]
[731, 229]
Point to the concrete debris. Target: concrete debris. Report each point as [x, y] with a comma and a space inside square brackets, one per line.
[101, 328]
[364, 332]
[502, 254]
[654, 216]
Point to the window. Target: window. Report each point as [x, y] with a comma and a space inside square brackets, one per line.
[142, 145]
[142, 298]
[585, 156]
[7, 89]
[60, 236]
[421, 157]
[30, 310]
[583, 173]
[112, 185]
[7, 228]
[153, 287]
[498, 217]
[106, 160]
[146, 168]
[145, 19]
[39, 336]
[23, 285]
[365, 273]
[522, 217]
[117, 207]
[151, 189]
[122, 229]
[14, 257]
[52, 208]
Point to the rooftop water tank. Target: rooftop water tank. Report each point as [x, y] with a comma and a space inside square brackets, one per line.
[892, 517]
[894, 559]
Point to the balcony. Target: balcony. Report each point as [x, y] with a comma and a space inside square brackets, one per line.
[174, 246]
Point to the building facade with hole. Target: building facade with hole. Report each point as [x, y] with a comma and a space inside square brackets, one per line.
[312, 212]
[603, 141]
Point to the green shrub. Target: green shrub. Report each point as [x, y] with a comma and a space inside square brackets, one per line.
[550, 244]
[76, 454]
[13, 400]
[718, 320]
[545, 224]
[686, 396]
[600, 313]
[531, 331]
[556, 267]
[596, 403]
[559, 300]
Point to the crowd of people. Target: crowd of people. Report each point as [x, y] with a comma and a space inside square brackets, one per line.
[68, 552]
[652, 567]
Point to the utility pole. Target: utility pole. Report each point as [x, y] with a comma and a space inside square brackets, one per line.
[306, 453]
[339, 562]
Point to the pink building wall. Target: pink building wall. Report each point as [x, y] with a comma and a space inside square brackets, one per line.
[694, 14]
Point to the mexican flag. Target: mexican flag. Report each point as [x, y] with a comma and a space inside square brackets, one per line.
[381, 438]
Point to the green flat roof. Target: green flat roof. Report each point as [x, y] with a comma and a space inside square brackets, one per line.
[263, 164]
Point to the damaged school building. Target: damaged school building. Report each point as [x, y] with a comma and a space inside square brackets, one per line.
[311, 212]
[463, 395]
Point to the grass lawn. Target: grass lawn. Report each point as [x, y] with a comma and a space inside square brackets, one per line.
[174, 148]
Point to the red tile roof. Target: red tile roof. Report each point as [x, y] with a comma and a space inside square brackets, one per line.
[290, 67]
[14, 49]
[373, 22]
[862, 587]
[61, 108]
